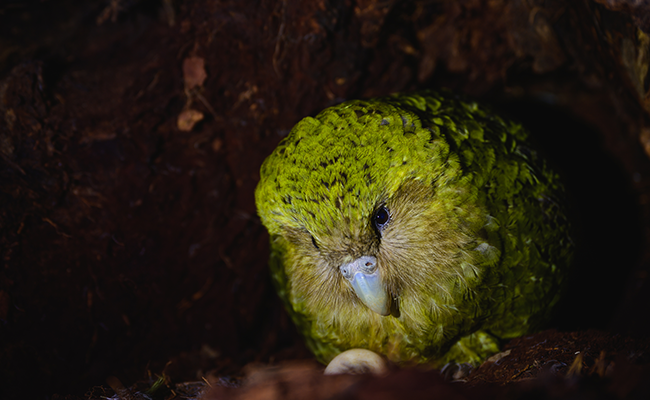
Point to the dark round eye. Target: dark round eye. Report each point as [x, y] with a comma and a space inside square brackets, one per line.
[382, 216]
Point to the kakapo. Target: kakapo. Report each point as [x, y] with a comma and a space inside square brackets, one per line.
[422, 226]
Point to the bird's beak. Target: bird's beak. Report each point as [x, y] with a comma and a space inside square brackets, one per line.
[363, 275]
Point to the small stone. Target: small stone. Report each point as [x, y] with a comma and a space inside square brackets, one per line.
[357, 361]
[187, 119]
[499, 356]
[194, 72]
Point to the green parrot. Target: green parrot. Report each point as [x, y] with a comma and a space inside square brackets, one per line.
[419, 226]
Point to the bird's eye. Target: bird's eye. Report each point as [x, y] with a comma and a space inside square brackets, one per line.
[313, 241]
[382, 216]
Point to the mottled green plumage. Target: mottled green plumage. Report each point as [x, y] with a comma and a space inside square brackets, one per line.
[475, 249]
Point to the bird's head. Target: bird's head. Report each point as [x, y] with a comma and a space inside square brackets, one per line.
[362, 198]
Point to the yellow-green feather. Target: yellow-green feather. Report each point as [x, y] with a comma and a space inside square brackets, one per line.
[476, 248]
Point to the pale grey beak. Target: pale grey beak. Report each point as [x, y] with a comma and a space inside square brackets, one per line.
[363, 275]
